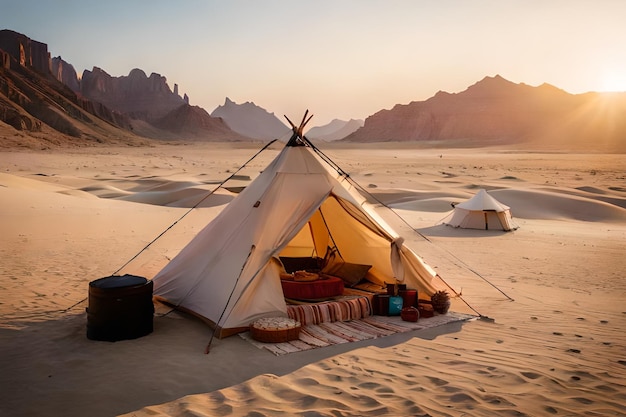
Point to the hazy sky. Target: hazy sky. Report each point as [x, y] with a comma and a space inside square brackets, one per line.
[339, 59]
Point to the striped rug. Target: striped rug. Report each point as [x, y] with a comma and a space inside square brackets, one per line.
[314, 336]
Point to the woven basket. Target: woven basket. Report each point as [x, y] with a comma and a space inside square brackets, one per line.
[275, 330]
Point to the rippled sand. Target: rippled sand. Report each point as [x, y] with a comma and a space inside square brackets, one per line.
[69, 217]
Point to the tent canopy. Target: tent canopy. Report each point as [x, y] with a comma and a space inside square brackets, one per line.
[482, 211]
[300, 205]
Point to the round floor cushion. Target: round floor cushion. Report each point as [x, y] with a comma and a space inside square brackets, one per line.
[275, 329]
[312, 290]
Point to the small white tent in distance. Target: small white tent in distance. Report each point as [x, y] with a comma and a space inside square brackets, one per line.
[482, 211]
[229, 274]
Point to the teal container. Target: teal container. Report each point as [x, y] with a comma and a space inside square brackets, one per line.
[395, 305]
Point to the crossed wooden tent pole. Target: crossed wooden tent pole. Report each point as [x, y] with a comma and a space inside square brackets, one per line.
[299, 130]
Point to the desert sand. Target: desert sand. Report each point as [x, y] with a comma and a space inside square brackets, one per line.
[552, 293]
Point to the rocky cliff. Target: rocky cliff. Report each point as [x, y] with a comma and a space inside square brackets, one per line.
[65, 72]
[137, 95]
[35, 102]
[25, 51]
[44, 103]
[155, 111]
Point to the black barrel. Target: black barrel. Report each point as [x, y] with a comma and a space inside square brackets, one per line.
[120, 308]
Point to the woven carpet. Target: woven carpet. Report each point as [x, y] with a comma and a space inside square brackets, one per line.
[314, 336]
[340, 309]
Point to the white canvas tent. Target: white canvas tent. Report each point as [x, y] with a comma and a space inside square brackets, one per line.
[482, 212]
[300, 204]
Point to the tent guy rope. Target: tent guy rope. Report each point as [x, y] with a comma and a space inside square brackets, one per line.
[194, 206]
[210, 193]
[363, 190]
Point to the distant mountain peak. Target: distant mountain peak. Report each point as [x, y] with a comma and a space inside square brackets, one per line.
[335, 130]
[493, 85]
[250, 120]
[136, 72]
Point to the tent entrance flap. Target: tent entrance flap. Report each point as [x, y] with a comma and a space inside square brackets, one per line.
[312, 240]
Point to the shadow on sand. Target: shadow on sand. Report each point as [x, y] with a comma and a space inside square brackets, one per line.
[442, 230]
[55, 358]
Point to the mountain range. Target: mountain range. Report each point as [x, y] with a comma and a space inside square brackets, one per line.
[43, 102]
[495, 111]
[255, 122]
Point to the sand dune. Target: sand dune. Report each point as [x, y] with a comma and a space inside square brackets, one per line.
[186, 197]
[540, 204]
[558, 349]
[526, 203]
[106, 191]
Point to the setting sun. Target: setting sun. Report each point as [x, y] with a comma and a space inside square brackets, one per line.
[614, 82]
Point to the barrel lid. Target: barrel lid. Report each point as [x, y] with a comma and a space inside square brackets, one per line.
[118, 281]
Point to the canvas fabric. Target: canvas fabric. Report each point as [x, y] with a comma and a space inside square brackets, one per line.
[482, 212]
[229, 272]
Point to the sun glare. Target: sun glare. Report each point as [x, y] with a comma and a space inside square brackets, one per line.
[614, 83]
